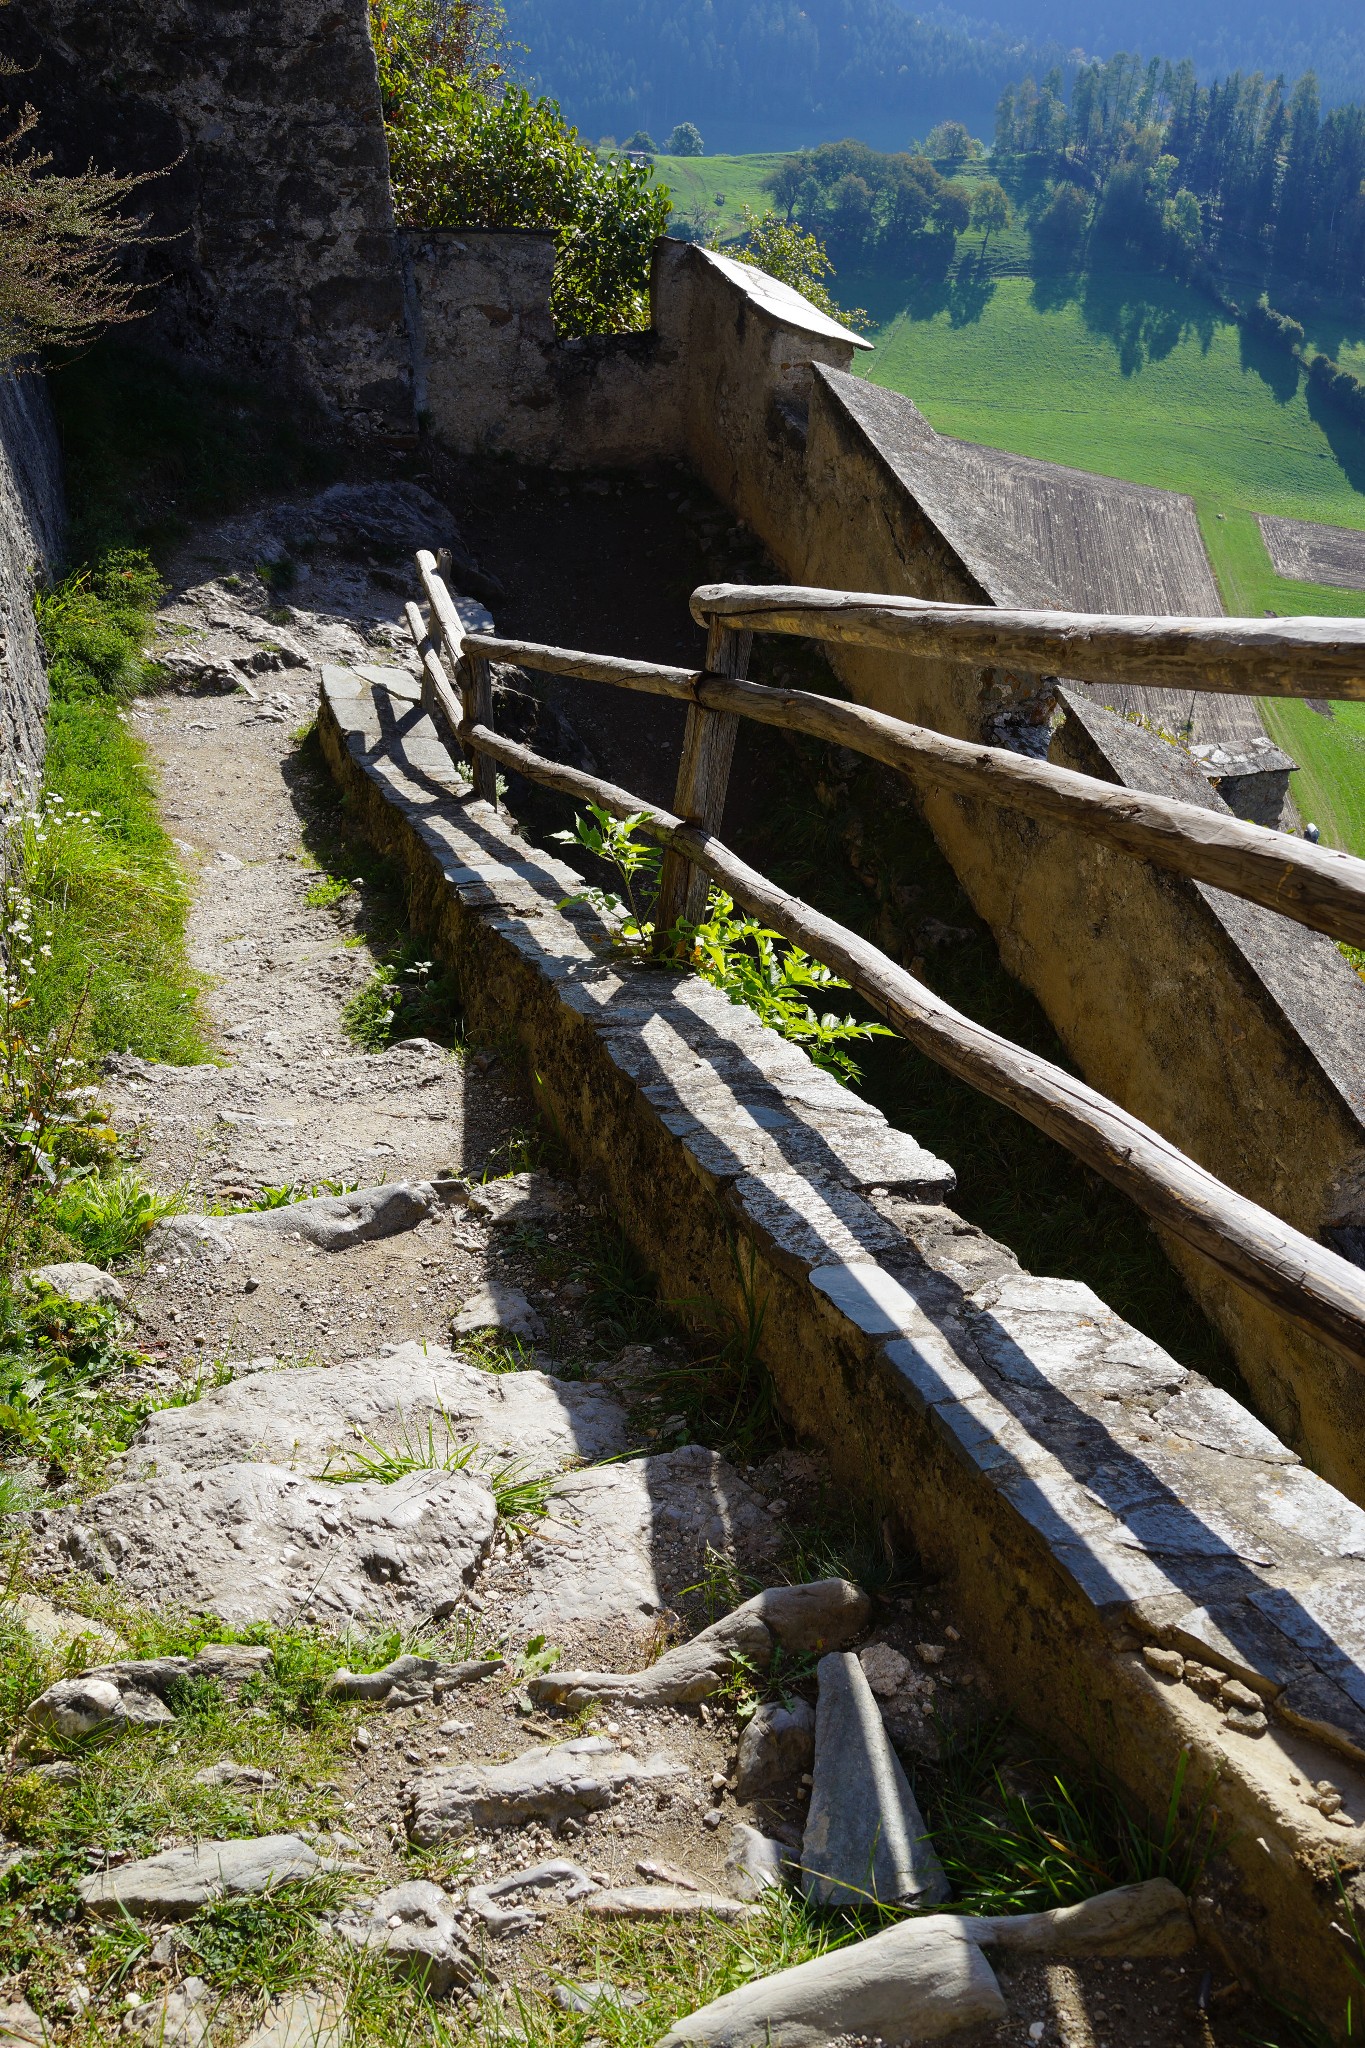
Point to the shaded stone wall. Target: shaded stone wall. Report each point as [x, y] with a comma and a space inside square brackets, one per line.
[278, 256]
[31, 519]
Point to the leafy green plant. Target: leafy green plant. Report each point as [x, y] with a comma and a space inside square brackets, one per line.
[469, 150]
[65, 1396]
[279, 1194]
[326, 894]
[753, 964]
[405, 997]
[636, 861]
[539, 1656]
[106, 1216]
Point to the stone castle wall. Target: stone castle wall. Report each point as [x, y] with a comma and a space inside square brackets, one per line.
[31, 519]
[276, 248]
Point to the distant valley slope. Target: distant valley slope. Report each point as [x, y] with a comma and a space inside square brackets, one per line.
[776, 74]
[765, 74]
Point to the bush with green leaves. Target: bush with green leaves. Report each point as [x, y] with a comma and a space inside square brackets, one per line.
[751, 963]
[469, 150]
[685, 140]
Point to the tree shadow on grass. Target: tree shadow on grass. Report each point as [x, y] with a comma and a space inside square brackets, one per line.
[1346, 441]
[1276, 368]
[1145, 317]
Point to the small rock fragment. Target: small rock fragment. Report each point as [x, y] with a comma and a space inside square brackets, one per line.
[175, 1884]
[588, 1996]
[554, 1783]
[664, 1873]
[814, 1616]
[865, 1837]
[754, 1863]
[411, 1677]
[413, 1930]
[241, 1777]
[1166, 1663]
[662, 1902]
[1235, 1694]
[483, 1899]
[77, 1281]
[777, 1745]
[20, 2026]
[178, 2018]
[497, 1306]
[915, 1982]
[931, 1653]
[884, 1669]
[302, 2020]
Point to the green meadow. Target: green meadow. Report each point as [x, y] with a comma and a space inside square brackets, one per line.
[1137, 376]
[1130, 374]
[718, 186]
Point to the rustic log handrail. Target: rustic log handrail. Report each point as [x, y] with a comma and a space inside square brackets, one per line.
[1311, 1286]
[1247, 657]
[1315, 885]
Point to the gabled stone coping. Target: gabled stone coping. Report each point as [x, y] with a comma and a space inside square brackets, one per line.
[1089, 1498]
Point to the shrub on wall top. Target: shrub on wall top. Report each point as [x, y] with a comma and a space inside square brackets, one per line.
[468, 150]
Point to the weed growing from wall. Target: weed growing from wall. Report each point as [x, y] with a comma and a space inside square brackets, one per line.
[752, 964]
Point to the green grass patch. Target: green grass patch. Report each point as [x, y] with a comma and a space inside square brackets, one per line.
[102, 871]
[1132, 374]
[718, 187]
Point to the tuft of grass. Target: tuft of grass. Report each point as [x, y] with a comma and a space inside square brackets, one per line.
[415, 1450]
[1019, 1834]
[491, 1351]
[521, 1496]
[105, 1217]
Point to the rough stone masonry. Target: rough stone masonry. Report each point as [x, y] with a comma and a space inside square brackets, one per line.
[272, 223]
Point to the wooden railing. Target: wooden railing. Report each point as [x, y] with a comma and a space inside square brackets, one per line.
[1305, 1282]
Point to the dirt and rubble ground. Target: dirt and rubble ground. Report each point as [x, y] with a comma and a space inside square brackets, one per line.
[292, 922]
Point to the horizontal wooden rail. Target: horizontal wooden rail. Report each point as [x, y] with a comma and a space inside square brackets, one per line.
[651, 677]
[1315, 885]
[1303, 1281]
[1247, 657]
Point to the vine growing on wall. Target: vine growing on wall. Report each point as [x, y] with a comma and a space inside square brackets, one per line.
[470, 149]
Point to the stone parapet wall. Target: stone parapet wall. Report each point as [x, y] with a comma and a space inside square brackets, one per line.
[493, 378]
[32, 516]
[1147, 1561]
[276, 250]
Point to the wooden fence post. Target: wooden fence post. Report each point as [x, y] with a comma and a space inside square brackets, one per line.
[476, 692]
[703, 777]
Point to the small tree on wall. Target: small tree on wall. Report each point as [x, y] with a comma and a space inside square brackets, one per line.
[467, 149]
